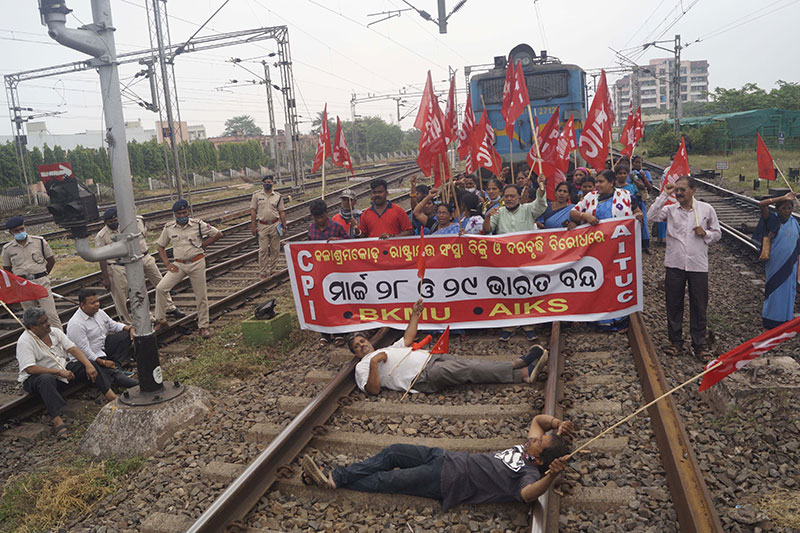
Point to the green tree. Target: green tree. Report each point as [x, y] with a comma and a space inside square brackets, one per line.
[242, 125]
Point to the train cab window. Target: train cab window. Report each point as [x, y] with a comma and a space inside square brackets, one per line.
[540, 86]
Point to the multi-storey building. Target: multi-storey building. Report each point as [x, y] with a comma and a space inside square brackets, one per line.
[655, 85]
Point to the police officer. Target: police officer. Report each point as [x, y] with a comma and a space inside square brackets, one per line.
[189, 238]
[114, 274]
[266, 210]
[30, 257]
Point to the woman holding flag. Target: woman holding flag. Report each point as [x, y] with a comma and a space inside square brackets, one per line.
[781, 258]
[557, 213]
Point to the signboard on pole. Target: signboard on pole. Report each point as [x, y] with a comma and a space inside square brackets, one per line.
[722, 165]
[781, 137]
[470, 281]
[54, 171]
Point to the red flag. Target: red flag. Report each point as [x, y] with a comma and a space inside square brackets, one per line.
[638, 130]
[628, 134]
[451, 114]
[443, 344]
[341, 155]
[483, 151]
[519, 99]
[766, 168]
[679, 166]
[324, 145]
[508, 87]
[566, 144]
[744, 353]
[466, 130]
[14, 289]
[548, 138]
[430, 122]
[595, 137]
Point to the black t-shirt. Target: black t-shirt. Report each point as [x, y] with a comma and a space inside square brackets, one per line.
[486, 477]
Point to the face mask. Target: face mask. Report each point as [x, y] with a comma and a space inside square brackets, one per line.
[21, 236]
[345, 214]
[267, 186]
[471, 189]
[113, 226]
[182, 220]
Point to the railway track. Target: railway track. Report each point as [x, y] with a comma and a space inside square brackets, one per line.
[342, 424]
[164, 215]
[231, 266]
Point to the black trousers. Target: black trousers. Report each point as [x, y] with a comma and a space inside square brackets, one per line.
[49, 387]
[675, 287]
[118, 347]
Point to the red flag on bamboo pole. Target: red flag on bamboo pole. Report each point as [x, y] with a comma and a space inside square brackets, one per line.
[341, 155]
[595, 138]
[467, 126]
[766, 167]
[443, 344]
[451, 114]
[508, 86]
[730, 362]
[519, 99]
[566, 144]
[679, 166]
[14, 289]
[483, 151]
[430, 122]
[324, 144]
[548, 139]
[632, 131]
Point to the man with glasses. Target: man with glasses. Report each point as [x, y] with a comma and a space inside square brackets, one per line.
[692, 226]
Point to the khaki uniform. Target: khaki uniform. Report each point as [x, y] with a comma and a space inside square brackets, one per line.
[268, 208]
[189, 256]
[116, 273]
[29, 260]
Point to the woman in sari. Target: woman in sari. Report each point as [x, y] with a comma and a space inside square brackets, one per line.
[494, 199]
[577, 179]
[781, 256]
[636, 190]
[557, 213]
[470, 207]
[444, 214]
[606, 202]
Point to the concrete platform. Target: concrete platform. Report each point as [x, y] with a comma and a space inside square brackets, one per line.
[295, 404]
[598, 498]
[368, 444]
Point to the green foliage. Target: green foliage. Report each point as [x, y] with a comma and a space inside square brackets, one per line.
[371, 135]
[242, 125]
[663, 141]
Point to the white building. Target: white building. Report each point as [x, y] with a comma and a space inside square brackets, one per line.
[38, 136]
[196, 132]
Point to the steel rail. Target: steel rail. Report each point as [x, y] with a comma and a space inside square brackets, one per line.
[690, 496]
[545, 511]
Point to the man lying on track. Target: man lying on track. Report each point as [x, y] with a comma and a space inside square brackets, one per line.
[396, 367]
[512, 475]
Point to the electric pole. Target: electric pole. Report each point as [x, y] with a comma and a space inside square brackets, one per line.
[677, 84]
[273, 153]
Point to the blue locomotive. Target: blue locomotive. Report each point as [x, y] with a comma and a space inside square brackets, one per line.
[550, 84]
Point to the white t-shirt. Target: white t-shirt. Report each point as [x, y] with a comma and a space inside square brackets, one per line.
[402, 376]
[30, 352]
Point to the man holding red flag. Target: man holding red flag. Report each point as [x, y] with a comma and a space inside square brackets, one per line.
[395, 367]
[692, 226]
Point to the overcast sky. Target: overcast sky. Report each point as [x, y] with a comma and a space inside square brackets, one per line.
[335, 54]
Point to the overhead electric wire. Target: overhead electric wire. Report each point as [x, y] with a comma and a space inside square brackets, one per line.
[742, 21]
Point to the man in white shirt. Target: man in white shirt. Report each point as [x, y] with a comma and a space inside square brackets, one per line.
[396, 367]
[692, 226]
[102, 339]
[48, 361]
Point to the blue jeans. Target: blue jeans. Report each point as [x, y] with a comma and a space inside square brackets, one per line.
[397, 469]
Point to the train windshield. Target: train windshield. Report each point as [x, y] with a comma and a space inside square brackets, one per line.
[541, 86]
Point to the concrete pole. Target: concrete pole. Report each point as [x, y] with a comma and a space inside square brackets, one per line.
[678, 83]
[273, 153]
[98, 40]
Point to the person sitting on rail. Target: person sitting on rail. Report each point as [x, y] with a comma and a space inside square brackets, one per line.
[395, 367]
[514, 217]
[113, 274]
[266, 215]
[101, 338]
[384, 219]
[189, 238]
[48, 361]
[30, 257]
[780, 257]
[348, 215]
[521, 473]
[692, 226]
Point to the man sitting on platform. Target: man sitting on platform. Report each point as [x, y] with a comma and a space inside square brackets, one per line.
[102, 339]
[396, 367]
[518, 474]
[48, 361]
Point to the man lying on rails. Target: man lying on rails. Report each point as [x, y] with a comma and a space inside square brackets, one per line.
[518, 474]
[396, 367]
[48, 361]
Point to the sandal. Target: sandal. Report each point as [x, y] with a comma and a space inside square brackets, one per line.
[61, 432]
[704, 355]
[313, 473]
[673, 350]
[322, 343]
[338, 341]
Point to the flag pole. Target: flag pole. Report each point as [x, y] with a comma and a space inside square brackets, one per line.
[639, 410]
[536, 141]
[40, 341]
[416, 377]
[324, 155]
[610, 149]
